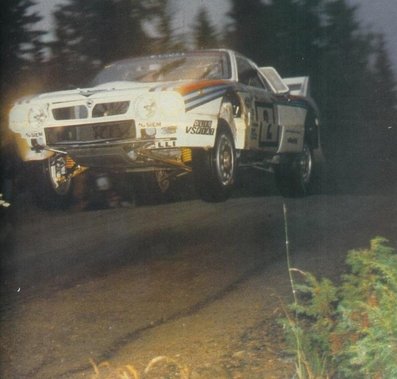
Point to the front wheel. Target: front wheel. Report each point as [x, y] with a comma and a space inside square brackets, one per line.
[53, 187]
[294, 175]
[215, 170]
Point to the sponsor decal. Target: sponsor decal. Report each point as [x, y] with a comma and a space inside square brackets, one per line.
[149, 124]
[203, 123]
[168, 130]
[200, 130]
[202, 127]
[163, 144]
[34, 134]
[293, 141]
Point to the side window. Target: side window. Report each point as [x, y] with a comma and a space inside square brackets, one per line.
[247, 74]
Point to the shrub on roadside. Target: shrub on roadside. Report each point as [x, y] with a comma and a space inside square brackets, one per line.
[350, 330]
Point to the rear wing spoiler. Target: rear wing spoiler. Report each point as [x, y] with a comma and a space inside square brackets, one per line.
[298, 86]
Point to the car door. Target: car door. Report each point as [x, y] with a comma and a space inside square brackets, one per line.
[263, 127]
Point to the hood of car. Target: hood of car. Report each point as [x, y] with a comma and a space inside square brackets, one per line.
[101, 91]
[127, 89]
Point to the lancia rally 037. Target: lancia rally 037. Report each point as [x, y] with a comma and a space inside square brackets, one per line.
[203, 113]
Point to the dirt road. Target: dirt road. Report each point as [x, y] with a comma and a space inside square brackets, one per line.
[200, 283]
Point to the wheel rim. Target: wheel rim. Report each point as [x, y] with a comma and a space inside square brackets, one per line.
[57, 174]
[305, 164]
[225, 160]
[163, 180]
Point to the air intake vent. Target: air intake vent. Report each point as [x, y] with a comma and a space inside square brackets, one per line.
[70, 113]
[110, 109]
[90, 133]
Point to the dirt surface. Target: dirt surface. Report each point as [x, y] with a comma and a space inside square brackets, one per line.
[176, 288]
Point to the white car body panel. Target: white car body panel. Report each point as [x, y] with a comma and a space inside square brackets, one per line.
[181, 114]
[292, 120]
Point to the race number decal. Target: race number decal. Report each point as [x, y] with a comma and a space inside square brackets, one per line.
[269, 130]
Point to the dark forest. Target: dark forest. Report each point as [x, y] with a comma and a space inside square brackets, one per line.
[351, 74]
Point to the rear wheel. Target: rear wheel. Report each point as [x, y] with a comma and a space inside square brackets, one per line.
[215, 169]
[294, 175]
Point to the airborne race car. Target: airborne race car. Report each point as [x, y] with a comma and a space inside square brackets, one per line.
[159, 117]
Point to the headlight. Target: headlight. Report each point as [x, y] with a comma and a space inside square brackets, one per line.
[37, 116]
[171, 104]
[146, 107]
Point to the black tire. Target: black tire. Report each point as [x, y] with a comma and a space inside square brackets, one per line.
[49, 191]
[215, 170]
[152, 188]
[294, 175]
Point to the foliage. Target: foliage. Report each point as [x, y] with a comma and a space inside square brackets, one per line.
[350, 330]
[166, 37]
[384, 110]
[351, 76]
[289, 32]
[204, 33]
[19, 45]
[321, 39]
[342, 94]
[90, 33]
[249, 23]
[17, 35]
[21, 53]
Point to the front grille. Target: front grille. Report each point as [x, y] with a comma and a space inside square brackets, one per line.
[76, 112]
[70, 113]
[90, 132]
[110, 109]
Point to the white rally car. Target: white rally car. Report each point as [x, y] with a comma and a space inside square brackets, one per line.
[203, 112]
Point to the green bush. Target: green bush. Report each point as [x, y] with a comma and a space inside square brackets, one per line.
[350, 330]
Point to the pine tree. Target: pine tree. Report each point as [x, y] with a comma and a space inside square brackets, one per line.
[18, 41]
[166, 39]
[90, 33]
[20, 46]
[343, 91]
[204, 33]
[282, 33]
[384, 105]
[294, 32]
[247, 32]
[322, 39]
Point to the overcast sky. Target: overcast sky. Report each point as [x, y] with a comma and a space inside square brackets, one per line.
[375, 15]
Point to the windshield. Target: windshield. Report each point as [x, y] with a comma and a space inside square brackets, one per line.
[184, 66]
